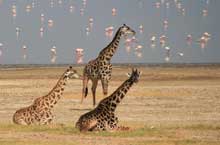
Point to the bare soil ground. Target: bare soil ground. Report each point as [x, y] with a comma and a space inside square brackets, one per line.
[169, 106]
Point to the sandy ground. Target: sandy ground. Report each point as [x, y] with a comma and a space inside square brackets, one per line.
[182, 103]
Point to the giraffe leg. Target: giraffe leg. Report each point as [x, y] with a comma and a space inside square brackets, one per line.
[98, 127]
[105, 80]
[50, 118]
[104, 86]
[85, 88]
[112, 122]
[94, 86]
[46, 118]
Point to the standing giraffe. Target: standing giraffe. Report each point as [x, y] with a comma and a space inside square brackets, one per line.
[40, 111]
[101, 68]
[103, 116]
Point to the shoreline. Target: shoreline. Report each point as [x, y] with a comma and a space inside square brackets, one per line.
[165, 65]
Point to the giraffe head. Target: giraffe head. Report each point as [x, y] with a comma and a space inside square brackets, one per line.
[134, 76]
[126, 30]
[71, 73]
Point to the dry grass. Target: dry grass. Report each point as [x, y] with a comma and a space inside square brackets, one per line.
[169, 106]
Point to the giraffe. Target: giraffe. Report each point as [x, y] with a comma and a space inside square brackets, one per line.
[40, 112]
[103, 116]
[101, 67]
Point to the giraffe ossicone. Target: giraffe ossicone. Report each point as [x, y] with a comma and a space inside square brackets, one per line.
[40, 112]
[101, 67]
[103, 116]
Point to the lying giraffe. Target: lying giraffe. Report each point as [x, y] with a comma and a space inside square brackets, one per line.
[101, 68]
[40, 111]
[103, 116]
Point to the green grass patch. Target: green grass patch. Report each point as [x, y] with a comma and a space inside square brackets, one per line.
[69, 130]
[158, 135]
[36, 142]
[175, 142]
[139, 132]
[203, 127]
[195, 142]
[131, 133]
[56, 128]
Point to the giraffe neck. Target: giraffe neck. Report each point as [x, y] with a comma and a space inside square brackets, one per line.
[116, 97]
[55, 94]
[109, 51]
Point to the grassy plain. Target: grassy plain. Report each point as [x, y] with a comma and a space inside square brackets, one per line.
[169, 106]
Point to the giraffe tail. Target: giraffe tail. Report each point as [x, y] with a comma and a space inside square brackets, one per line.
[86, 92]
[85, 86]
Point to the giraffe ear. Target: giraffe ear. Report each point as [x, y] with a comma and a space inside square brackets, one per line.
[140, 72]
[136, 70]
[128, 74]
